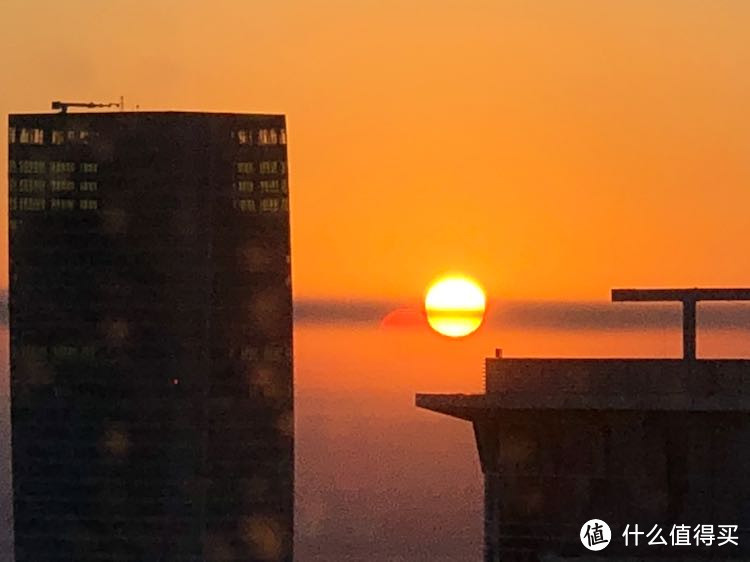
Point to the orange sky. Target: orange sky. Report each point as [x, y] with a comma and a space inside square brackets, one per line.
[550, 149]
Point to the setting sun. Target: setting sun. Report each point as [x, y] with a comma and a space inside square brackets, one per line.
[455, 306]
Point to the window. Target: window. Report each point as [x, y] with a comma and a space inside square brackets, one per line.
[88, 204]
[245, 136]
[71, 135]
[31, 136]
[89, 167]
[246, 205]
[284, 186]
[83, 135]
[13, 203]
[245, 186]
[62, 185]
[62, 167]
[12, 167]
[269, 186]
[87, 186]
[269, 205]
[282, 136]
[267, 136]
[269, 167]
[31, 204]
[11, 135]
[27, 185]
[58, 137]
[245, 167]
[285, 204]
[62, 204]
[282, 166]
[32, 166]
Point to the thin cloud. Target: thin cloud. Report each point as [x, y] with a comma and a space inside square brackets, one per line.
[541, 315]
[527, 315]
[337, 312]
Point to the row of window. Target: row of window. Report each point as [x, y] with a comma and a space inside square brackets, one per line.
[62, 204]
[34, 135]
[27, 135]
[264, 167]
[265, 205]
[263, 136]
[273, 186]
[273, 167]
[273, 352]
[55, 203]
[60, 351]
[265, 186]
[33, 185]
[55, 167]
[245, 186]
[59, 137]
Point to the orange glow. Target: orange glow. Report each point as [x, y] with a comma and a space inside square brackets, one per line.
[455, 306]
[404, 318]
[576, 146]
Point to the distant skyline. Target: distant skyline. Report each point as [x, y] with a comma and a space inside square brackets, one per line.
[552, 151]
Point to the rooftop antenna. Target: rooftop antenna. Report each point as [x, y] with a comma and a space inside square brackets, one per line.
[64, 105]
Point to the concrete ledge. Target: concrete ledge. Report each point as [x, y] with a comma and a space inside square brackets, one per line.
[471, 406]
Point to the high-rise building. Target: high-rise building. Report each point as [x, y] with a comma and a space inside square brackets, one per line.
[151, 337]
[657, 449]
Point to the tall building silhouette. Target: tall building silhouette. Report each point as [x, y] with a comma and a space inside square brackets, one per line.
[151, 337]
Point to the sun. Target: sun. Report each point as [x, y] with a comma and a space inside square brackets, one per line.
[455, 306]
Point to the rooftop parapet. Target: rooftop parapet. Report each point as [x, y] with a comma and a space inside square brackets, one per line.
[655, 378]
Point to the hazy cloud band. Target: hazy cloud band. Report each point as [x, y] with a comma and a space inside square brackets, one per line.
[529, 315]
[541, 315]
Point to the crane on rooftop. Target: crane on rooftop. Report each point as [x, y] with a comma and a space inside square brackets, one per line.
[64, 105]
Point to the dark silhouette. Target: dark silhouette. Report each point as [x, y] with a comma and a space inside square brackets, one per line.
[151, 328]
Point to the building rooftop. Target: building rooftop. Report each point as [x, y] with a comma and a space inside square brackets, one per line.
[603, 384]
[95, 114]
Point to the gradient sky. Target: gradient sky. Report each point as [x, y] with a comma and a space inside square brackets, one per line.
[551, 149]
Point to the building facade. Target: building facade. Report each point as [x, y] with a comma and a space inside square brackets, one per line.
[151, 337]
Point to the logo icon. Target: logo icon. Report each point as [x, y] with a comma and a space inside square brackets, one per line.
[595, 534]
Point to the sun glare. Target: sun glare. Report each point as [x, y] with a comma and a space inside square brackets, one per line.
[455, 306]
